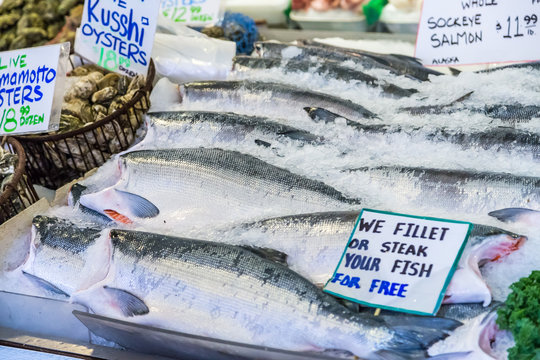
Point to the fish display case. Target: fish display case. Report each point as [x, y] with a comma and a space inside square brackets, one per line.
[55, 159]
[18, 193]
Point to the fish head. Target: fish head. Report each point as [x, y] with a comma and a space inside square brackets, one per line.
[121, 206]
[496, 247]
[468, 285]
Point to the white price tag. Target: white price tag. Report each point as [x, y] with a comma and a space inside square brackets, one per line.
[478, 31]
[399, 262]
[118, 35]
[191, 12]
[32, 88]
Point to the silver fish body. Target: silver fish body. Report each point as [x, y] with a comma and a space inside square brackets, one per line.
[207, 186]
[499, 139]
[225, 127]
[271, 49]
[402, 64]
[330, 69]
[461, 190]
[285, 98]
[228, 293]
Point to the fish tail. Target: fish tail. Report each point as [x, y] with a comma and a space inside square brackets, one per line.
[414, 333]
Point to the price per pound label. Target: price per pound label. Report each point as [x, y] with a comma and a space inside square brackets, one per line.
[478, 31]
[191, 12]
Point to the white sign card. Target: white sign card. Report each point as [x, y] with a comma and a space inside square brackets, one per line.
[32, 88]
[118, 35]
[478, 31]
[399, 262]
[191, 12]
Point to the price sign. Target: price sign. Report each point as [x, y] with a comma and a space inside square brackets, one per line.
[191, 12]
[399, 262]
[32, 88]
[118, 35]
[478, 31]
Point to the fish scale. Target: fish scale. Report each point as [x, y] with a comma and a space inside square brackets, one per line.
[226, 292]
[288, 99]
[221, 291]
[466, 191]
[201, 186]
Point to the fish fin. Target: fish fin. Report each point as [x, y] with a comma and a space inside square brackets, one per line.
[267, 253]
[412, 90]
[45, 284]
[262, 143]
[454, 71]
[129, 304]
[140, 206]
[511, 214]
[396, 320]
[75, 193]
[413, 332]
[461, 99]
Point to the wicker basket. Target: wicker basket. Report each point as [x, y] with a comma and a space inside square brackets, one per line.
[55, 160]
[19, 192]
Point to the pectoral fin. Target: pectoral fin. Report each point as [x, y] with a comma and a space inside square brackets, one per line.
[269, 254]
[45, 284]
[129, 304]
[138, 205]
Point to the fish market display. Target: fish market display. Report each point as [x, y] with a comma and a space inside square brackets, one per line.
[217, 290]
[269, 170]
[208, 186]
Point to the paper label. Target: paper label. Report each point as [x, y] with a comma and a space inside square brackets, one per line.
[478, 31]
[118, 35]
[191, 12]
[399, 262]
[31, 88]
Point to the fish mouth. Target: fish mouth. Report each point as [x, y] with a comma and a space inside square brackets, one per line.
[506, 248]
[115, 215]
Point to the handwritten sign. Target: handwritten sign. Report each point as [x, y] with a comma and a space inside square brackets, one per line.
[399, 262]
[32, 88]
[118, 35]
[478, 31]
[191, 12]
